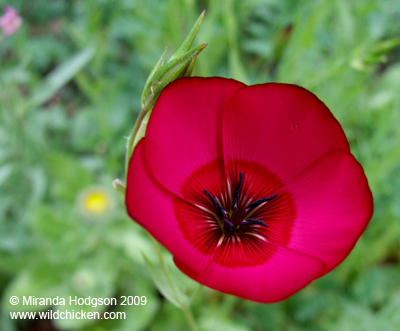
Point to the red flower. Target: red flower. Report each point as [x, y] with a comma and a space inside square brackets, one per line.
[252, 188]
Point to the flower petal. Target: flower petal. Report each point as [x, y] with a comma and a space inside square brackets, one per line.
[333, 207]
[152, 206]
[184, 130]
[285, 273]
[283, 127]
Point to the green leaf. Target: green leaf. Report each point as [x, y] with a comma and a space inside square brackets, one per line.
[60, 76]
[173, 295]
[386, 46]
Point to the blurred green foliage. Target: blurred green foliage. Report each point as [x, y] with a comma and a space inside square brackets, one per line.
[70, 85]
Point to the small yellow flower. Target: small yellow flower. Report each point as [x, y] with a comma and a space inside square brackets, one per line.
[95, 201]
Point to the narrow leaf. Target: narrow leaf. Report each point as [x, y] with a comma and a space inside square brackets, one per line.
[60, 76]
[159, 278]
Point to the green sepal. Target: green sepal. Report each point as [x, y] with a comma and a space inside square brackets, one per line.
[142, 130]
[189, 39]
[181, 64]
[159, 64]
[190, 68]
[166, 74]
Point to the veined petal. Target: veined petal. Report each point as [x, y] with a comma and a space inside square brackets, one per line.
[333, 207]
[152, 206]
[283, 127]
[283, 274]
[184, 130]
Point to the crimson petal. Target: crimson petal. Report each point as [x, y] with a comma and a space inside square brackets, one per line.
[151, 205]
[283, 127]
[333, 207]
[283, 274]
[184, 130]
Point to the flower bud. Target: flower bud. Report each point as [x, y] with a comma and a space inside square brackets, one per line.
[181, 64]
[167, 73]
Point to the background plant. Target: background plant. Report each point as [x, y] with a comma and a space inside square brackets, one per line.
[70, 85]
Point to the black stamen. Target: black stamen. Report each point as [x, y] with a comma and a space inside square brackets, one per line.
[223, 212]
[253, 221]
[226, 222]
[259, 202]
[235, 203]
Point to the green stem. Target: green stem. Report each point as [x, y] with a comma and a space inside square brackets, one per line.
[131, 139]
[189, 317]
[184, 307]
[195, 292]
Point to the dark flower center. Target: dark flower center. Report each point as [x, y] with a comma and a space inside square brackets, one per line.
[231, 212]
[236, 220]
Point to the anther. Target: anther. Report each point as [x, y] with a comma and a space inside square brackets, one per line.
[222, 211]
[235, 203]
[251, 221]
[256, 203]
